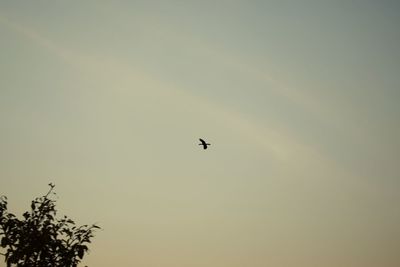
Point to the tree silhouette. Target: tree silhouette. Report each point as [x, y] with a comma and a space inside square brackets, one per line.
[40, 239]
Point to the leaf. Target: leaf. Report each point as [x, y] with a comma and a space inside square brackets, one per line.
[3, 242]
[80, 252]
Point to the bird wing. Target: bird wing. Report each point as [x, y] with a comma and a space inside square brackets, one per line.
[202, 141]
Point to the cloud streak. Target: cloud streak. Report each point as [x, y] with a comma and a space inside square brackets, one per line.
[283, 146]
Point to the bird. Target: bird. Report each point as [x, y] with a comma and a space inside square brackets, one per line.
[203, 143]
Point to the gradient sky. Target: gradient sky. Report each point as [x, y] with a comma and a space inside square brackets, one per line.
[300, 100]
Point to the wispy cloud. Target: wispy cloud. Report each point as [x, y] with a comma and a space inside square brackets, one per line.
[118, 75]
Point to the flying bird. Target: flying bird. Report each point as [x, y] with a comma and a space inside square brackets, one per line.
[203, 143]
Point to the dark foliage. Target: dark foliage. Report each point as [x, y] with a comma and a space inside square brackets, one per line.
[40, 239]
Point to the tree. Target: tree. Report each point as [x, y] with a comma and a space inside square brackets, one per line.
[40, 239]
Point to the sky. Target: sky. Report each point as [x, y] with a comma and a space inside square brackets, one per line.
[299, 100]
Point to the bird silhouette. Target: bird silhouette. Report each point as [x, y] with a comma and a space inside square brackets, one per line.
[203, 143]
